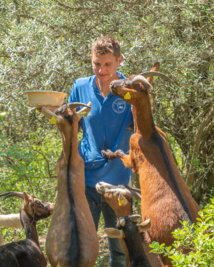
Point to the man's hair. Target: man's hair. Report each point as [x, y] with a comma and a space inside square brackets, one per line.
[106, 44]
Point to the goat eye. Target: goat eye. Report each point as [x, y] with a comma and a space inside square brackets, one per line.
[38, 203]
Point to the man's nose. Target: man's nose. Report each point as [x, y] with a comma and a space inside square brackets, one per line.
[101, 69]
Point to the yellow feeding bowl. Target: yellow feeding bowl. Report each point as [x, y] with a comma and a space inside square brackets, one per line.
[49, 99]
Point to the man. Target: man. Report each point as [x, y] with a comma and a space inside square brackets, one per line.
[103, 128]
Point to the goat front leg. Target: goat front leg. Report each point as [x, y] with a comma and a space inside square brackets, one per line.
[109, 155]
[118, 154]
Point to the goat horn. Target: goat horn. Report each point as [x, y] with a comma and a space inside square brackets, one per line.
[12, 194]
[84, 111]
[78, 104]
[156, 73]
[60, 109]
[140, 78]
[26, 199]
[134, 217]
[135, 192]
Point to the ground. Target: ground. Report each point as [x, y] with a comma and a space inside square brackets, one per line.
[103, 259]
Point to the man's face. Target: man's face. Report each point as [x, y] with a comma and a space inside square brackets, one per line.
[105, 66]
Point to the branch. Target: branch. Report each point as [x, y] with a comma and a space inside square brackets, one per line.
[69, 7]
[41, 21]
[12, 162]
[46, 160]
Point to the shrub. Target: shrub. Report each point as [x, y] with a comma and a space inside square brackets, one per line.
[196, 238]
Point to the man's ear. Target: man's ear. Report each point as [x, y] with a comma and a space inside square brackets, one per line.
[120, 59]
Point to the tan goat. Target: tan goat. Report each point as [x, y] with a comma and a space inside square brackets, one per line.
[166, 199]
[72, 239]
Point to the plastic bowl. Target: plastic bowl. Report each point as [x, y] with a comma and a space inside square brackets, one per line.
[49, 99]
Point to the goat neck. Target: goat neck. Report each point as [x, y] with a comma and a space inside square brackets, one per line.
[69, 139]
[29, 225]
[144, 120]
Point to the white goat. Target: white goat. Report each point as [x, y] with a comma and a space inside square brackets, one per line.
[9, 220]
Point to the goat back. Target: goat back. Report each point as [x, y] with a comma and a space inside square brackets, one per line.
[24, 253]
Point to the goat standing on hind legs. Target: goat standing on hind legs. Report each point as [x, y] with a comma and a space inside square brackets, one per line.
[72, 239]
[165, 198]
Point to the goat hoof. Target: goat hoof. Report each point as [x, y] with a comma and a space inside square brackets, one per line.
[120, 152]
[106, 154]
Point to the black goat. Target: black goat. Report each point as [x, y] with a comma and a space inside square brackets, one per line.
[26, 253]
[130, 232]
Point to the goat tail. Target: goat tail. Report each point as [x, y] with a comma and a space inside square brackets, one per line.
[172, 177]
[74, 245]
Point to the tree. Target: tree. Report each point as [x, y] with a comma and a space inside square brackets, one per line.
[45, 45]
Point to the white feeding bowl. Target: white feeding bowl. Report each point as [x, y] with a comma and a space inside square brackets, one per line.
[48, 99]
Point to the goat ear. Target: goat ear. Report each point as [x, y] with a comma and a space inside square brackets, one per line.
[49, 114]
[114, 233]
[144, 226]
[60, 109]
[155, 67]
[122, 201]
[26, 199]
[121, 222]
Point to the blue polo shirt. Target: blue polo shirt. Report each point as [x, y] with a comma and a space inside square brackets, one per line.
[103, 128]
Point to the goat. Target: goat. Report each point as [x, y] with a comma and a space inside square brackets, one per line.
[166, 199]
[9, 220]
[26, 253]
[119, 198]
[72, 239]
[130, 232]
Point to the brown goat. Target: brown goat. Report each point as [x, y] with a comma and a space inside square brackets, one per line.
[26, 253]
[119, 198]
[166, 199]
[72, 239]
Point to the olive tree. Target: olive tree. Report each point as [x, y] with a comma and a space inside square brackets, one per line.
[45, 45]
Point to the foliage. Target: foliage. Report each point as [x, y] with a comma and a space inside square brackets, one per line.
[196, 239]
[45, 45]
